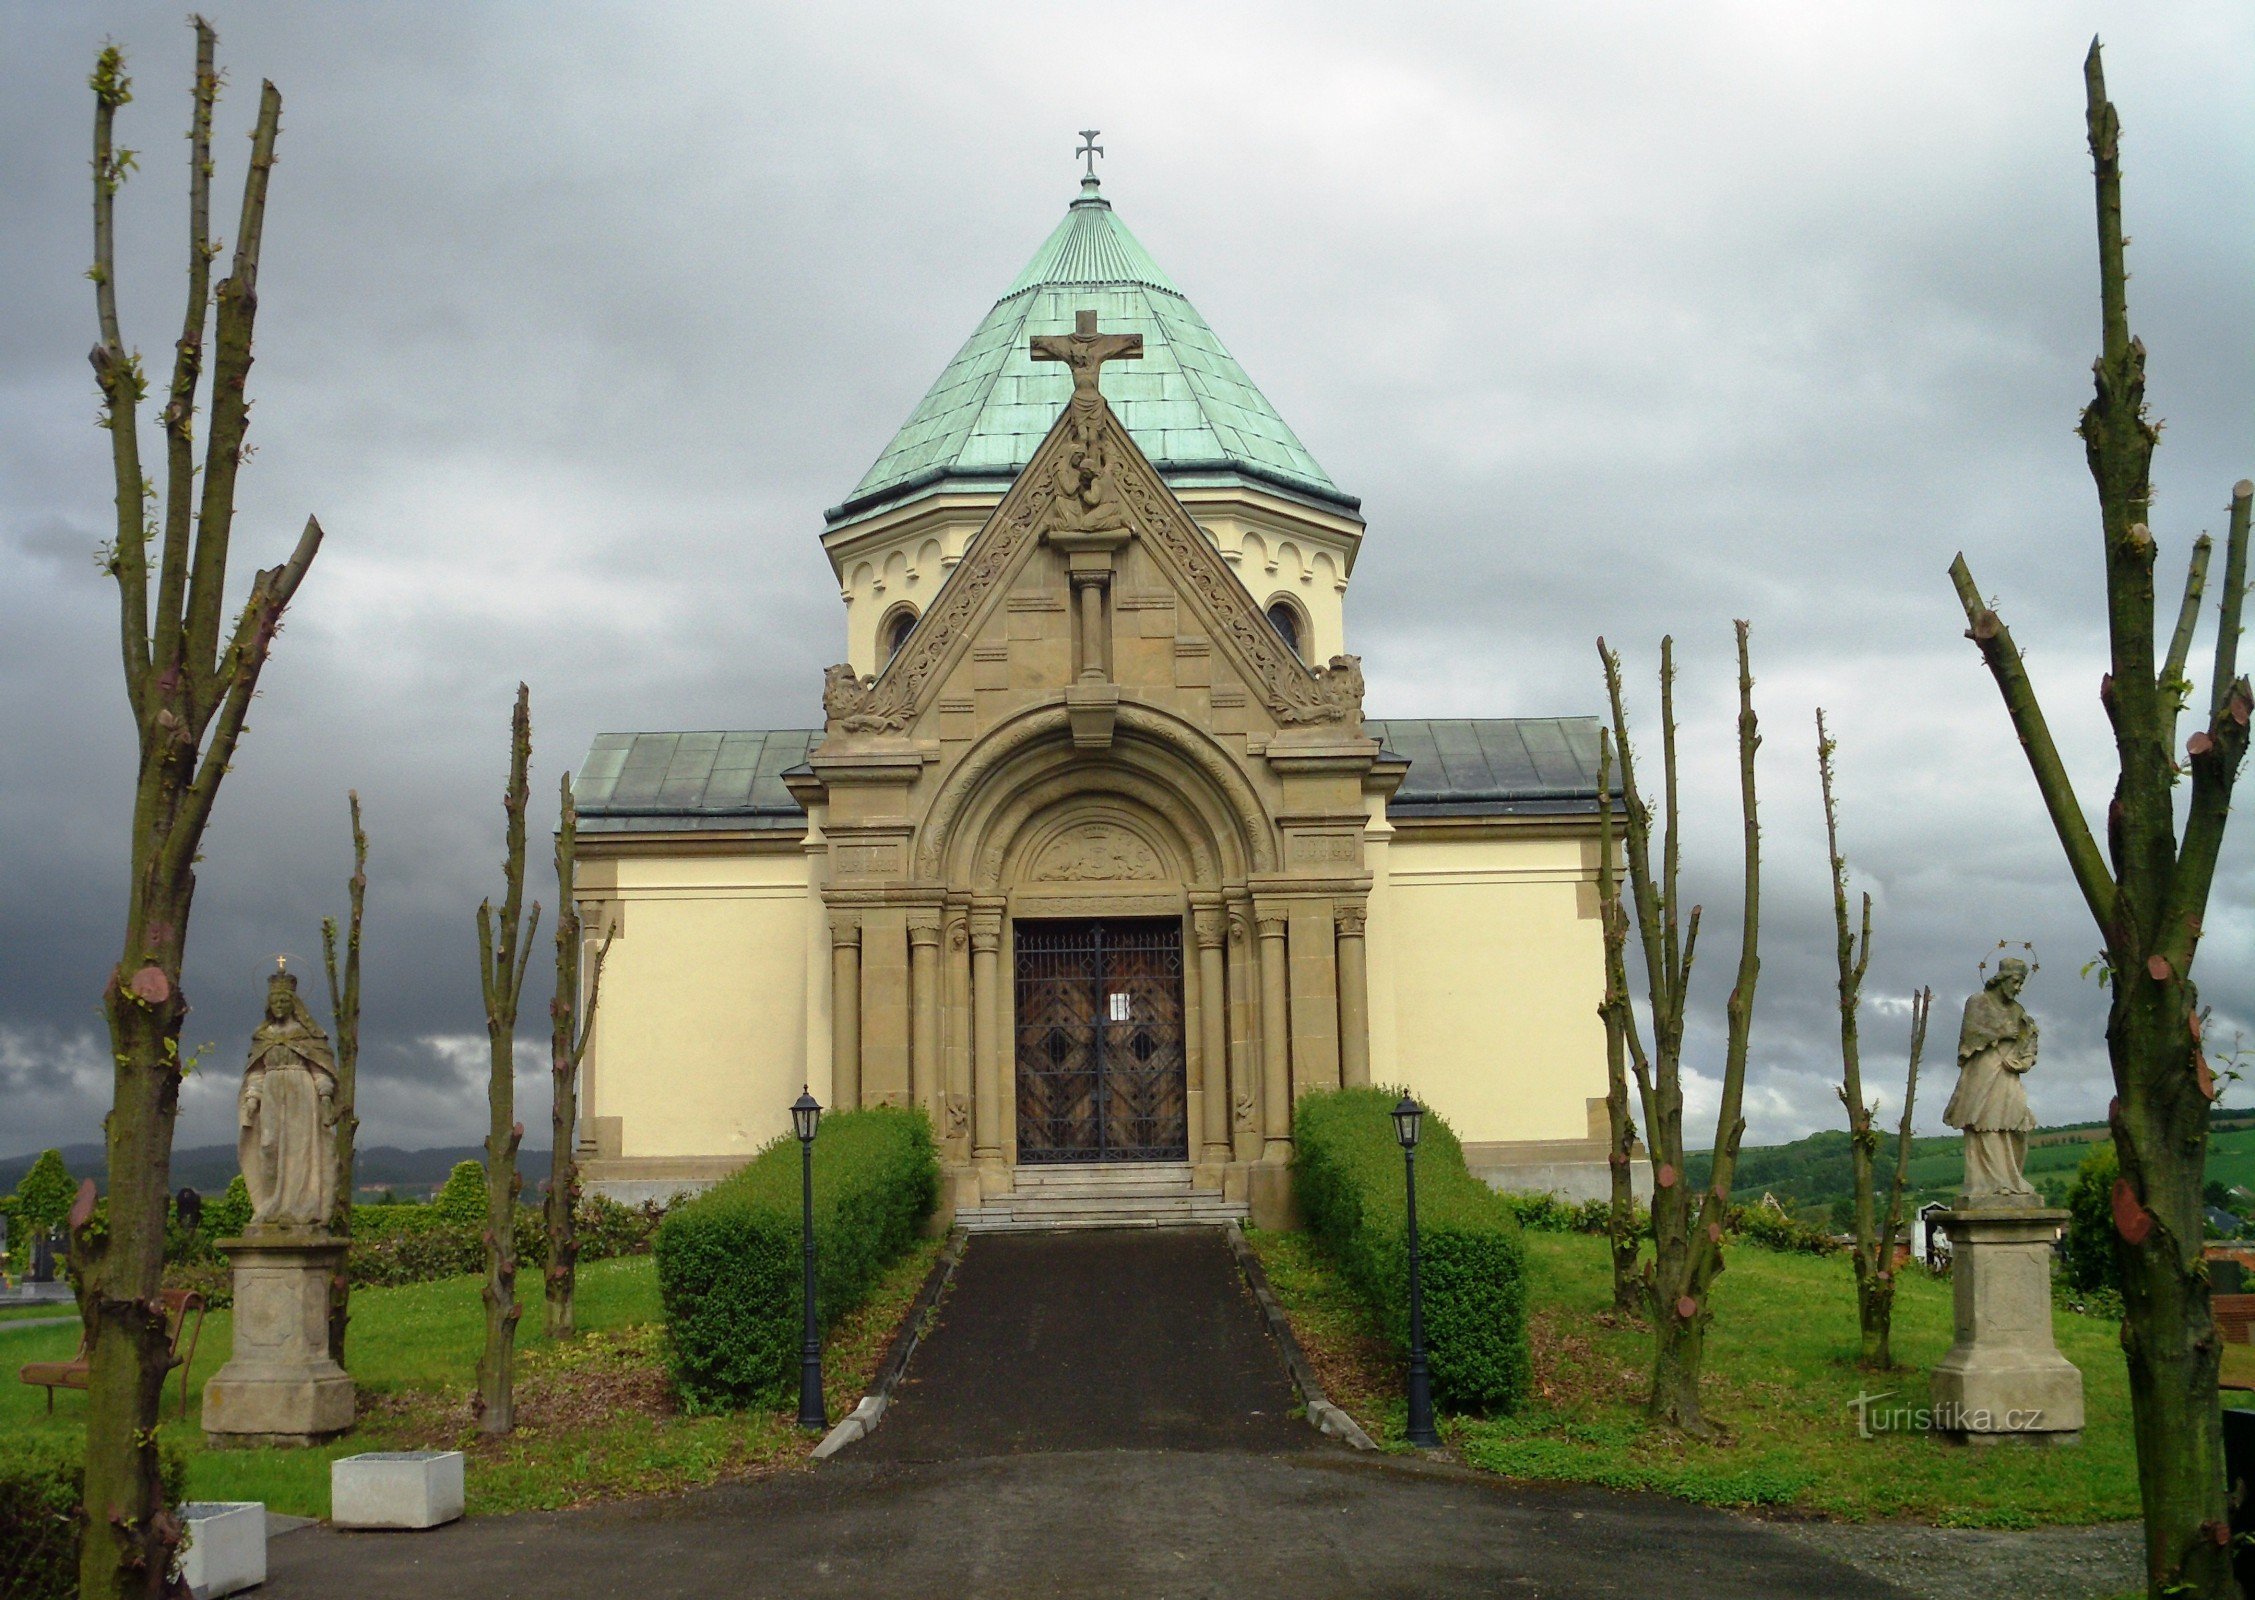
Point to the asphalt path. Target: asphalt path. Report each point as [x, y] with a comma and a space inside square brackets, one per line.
[1096, 1414]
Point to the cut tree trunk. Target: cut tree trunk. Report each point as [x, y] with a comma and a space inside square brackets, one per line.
[1687, 1231]
[344, 1010]
[573, 1024]
[504, 949]
[189, 680]
[2147, 893]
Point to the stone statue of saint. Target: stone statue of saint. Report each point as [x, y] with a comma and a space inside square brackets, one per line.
[286, 1115]
[1995, 1047]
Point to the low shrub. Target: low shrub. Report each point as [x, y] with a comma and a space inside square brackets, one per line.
[42, 1480]
[2087, 1259]
[392, 1245]
[1762, 1226]
[729, 1264]
[1347, 1171]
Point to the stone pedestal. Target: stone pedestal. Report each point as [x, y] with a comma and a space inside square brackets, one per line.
[2004, 1379]
[280, 1387]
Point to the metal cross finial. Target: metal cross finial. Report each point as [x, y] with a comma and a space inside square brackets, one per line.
[1090, 148]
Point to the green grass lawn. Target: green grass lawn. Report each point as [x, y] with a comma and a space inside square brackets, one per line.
[595, 1414]
[1781, 1373]
[51, 1308]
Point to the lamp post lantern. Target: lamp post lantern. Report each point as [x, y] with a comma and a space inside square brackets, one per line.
[1409, 1120]
[806, 1114]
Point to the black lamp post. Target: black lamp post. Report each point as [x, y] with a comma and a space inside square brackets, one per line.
[806, 1113]
[1409, 1117]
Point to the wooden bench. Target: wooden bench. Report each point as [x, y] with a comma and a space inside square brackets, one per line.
[76, 1372]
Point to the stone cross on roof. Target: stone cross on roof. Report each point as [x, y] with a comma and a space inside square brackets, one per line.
[1090, 148]
[1084, 350]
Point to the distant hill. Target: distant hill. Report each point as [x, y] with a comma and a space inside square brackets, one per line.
[1811, 1173]
[209, 1167]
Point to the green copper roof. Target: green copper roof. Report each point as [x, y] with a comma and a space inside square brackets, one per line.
[1187, 402]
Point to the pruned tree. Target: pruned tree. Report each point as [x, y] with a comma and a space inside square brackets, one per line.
[504, 951]
[344, 1011]
[189, 680]
[572, 1025]
[1687, 1231]
[1621, 1232]
[2147, 892]
[1875, 1224]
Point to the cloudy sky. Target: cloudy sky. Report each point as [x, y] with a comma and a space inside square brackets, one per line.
[1620, 318]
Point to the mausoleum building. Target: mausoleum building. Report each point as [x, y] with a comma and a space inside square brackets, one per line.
[1096, 855]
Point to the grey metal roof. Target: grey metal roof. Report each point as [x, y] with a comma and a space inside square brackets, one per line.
[1458, 767]
[1493, 766]
[669, 782]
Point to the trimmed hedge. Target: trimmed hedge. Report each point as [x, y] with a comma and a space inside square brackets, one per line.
[729, 1265]
[392, 1245]
[1347, 1171]
[42, 1480]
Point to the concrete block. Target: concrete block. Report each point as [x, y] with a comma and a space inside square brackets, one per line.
[396, 1489]
[226, 1546]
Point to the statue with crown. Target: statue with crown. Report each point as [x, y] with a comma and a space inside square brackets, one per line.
[282, 1385]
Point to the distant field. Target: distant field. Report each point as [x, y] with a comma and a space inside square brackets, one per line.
[1811, 1173]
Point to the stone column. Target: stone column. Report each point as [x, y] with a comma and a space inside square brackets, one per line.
[1354, 999]
[955, 1047]
[2004, 1378]
[1276, 1034]
[924, 1014]
[986, 1038]
[845, 1013]
[1090, 586]
[1212, 931]
[1244, 1069]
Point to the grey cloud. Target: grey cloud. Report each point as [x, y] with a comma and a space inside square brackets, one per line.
[1620, 321]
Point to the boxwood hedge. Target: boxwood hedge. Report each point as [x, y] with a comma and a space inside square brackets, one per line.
[42, 1479]
[1347, 1171]
[729, 1264]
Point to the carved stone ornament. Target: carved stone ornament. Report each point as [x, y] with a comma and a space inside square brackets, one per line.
[957, 1109]
[1350, 920]
[845, 931]
[286, 1115]
[1245, 1109]
[1996, 1047]
[1211, 927]
[1097, 854]
[851, 704]
[958, 932]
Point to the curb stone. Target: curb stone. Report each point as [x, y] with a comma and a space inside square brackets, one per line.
[863, 1419]
[1323, 1416]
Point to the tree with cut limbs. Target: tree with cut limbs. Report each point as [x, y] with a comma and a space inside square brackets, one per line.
[504, 951]
[2148, 891]
[189, 680]
[1613, 1009]
[344, 1009]
[1875, 1227]
[1687, 1232]
[573, 1023]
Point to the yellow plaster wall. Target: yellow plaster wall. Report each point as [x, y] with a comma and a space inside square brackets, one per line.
[701, 1032]
[1486, 968]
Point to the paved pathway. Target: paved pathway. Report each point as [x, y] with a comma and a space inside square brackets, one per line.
[1094, 1415]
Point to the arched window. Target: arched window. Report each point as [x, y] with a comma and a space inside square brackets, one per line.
[1285, 618]
[893, 632]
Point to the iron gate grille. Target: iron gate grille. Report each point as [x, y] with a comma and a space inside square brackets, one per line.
[1100, 1042]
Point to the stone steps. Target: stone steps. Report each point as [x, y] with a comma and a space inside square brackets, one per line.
[1113, 1195]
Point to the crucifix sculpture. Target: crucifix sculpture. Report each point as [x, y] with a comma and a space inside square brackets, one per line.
[1084, 350]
